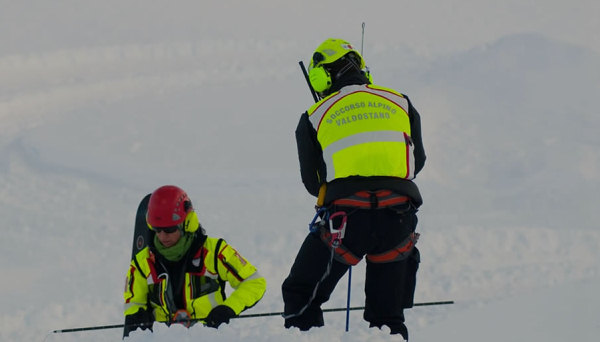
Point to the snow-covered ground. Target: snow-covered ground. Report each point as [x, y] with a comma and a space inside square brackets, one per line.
[101, 103]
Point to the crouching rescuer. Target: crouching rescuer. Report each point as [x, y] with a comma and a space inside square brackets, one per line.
[359, 148]
[180, 276]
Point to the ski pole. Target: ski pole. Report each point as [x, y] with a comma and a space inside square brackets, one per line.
[266, 314]
[348, 299]
[98, 327]
[353, 308]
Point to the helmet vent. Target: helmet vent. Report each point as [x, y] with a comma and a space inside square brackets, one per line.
[329, 52]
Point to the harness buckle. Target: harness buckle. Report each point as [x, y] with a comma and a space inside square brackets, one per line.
[374, 200]
[183, 317]
[337, 234]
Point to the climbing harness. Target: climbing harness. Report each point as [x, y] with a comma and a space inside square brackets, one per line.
[336, 232]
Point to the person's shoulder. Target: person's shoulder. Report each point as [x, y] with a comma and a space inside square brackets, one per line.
[144, 253]
[143, 259]
[386, 89]
[322, 101]
[211, 243]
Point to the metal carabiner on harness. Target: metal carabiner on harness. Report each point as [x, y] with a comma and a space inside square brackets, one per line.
[183, 317]
[337, 234]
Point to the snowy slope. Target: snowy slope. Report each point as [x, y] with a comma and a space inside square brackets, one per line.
[100, 104]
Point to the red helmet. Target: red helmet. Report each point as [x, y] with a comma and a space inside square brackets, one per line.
[170, 206]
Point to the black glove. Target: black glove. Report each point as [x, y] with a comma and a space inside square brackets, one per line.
[141, 319]
[218, 315]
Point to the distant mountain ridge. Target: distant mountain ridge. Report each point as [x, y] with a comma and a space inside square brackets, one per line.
[515, 130]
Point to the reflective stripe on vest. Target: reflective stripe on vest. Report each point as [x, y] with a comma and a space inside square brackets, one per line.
[380, 145]
[358, 154]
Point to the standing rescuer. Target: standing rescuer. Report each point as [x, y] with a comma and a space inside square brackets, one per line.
[359, 149]
[181, 276]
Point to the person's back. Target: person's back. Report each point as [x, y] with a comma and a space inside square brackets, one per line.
[359, 149]
[367, 141]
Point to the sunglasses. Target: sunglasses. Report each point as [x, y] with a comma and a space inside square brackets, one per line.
[167, 230]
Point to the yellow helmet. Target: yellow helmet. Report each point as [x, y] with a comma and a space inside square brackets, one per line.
[329, 52]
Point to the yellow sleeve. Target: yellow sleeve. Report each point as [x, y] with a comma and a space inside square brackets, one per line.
[136, 286]
[249, 286]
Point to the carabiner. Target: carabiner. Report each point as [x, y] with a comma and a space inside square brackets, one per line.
[337, 234]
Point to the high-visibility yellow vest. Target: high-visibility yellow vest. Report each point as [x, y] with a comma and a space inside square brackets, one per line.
[364, 130]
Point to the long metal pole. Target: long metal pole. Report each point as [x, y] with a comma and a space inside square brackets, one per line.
[266, 314]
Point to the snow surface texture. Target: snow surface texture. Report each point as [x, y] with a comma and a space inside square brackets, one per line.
[102, 103]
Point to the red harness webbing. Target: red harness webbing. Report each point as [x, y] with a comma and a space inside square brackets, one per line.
[345, 256]
[400, 252]
[372, 199]
[342, 254]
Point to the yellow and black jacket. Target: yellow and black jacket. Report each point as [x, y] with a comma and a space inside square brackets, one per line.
[195, 284]
[360, 137]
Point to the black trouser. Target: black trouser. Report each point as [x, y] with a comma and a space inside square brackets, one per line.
[389, 287]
